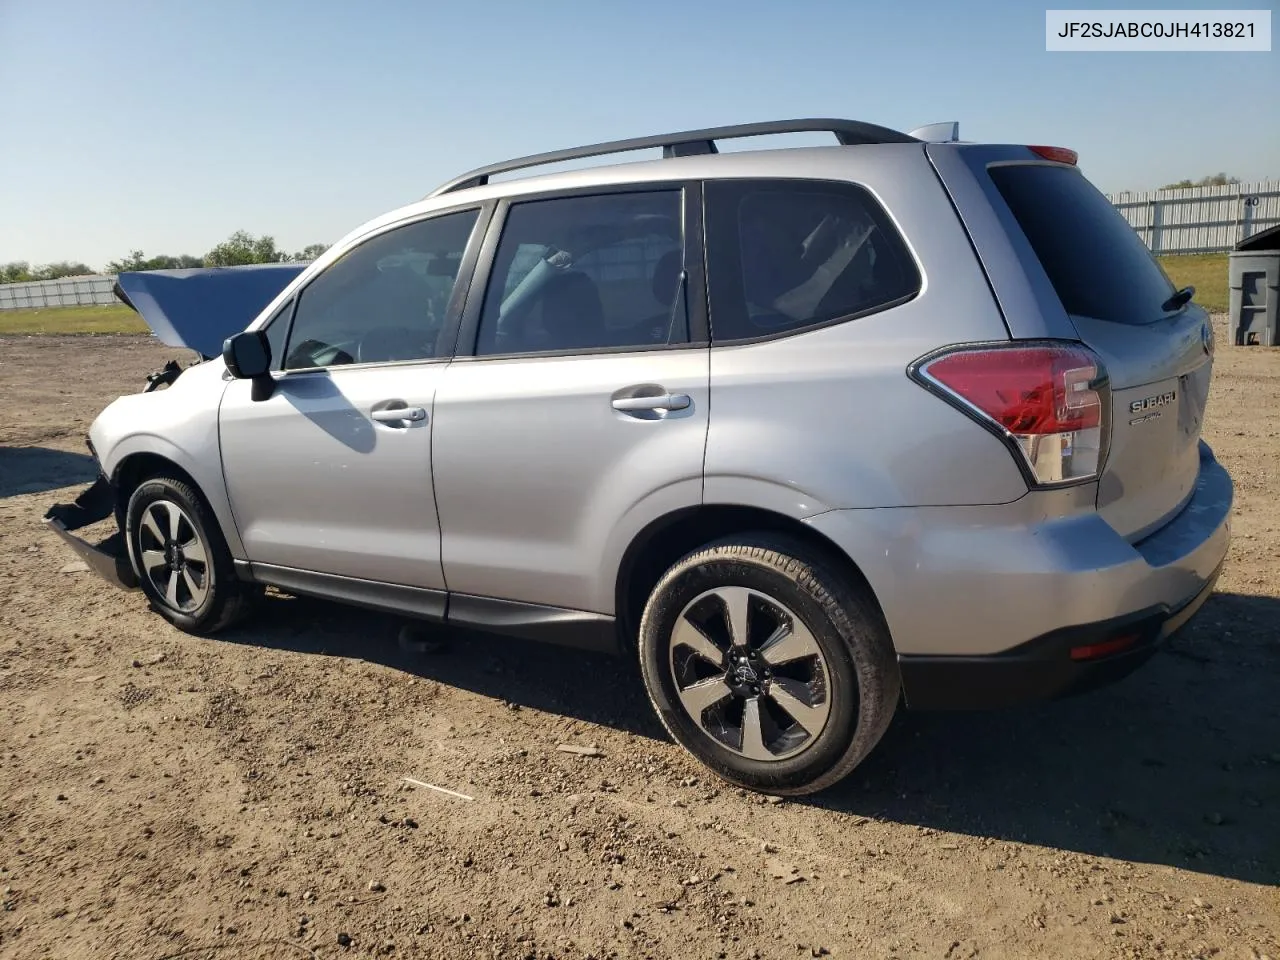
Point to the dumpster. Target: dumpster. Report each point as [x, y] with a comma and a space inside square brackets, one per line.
[1254, 268]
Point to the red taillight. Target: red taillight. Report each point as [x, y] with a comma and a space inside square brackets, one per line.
[1026, 389]
[1049, 399]
[1056, 154]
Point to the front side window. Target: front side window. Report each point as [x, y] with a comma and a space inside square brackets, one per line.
[587, 273]
[785, 255]
[384, 300]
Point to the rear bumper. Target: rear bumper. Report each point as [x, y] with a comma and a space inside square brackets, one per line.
[108, 558]
[1044, 668]
[986, 604]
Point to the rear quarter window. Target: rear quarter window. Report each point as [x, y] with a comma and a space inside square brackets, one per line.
[1097, 263]
[786, 255]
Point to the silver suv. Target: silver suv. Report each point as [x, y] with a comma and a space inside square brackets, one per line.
[805, 431]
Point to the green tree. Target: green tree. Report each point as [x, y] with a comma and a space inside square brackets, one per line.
[244, 248]
[1213, 180]
[166, 262]
[137, 261]
[63, 268]
[130, 264]
[19, 271]
[311, 251]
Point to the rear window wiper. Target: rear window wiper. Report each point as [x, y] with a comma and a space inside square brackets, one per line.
[1178, 300]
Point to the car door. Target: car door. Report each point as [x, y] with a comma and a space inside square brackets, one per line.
[329, 477]
[576, 410]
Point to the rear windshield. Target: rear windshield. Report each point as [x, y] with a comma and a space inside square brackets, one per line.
[1097, 263]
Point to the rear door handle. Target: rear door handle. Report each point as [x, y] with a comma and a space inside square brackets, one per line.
[398, 415]
[664, 401]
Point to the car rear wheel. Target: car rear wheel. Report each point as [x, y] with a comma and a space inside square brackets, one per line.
[181, 559]
[773, 670]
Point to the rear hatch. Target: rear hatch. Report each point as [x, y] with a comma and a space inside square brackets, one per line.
[1157, 350]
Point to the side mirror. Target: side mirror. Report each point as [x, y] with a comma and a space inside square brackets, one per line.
[247, 355]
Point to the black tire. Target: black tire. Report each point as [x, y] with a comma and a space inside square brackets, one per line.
[852, 676]
[219, 597]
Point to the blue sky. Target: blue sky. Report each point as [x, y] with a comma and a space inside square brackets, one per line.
[165, 126]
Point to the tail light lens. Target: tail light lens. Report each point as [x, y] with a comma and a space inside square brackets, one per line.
[1050, 402]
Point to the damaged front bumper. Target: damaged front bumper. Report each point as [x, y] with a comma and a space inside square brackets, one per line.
[108, 558]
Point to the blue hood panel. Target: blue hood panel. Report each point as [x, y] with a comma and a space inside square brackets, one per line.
[200, 308]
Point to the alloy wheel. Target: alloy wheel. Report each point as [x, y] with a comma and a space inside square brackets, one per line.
[173, 556]
[750, 673]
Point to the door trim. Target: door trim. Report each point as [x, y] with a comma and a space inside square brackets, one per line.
[532, 621]
[559, 626]
[371, 594]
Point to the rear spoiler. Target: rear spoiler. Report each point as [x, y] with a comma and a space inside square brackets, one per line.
[948, 132]
[199, 308]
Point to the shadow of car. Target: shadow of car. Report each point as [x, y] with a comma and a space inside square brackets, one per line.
[1175, 765]
[38, 469]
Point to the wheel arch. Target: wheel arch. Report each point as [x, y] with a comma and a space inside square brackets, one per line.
[222, 600]
[676, 534]
[135, 467]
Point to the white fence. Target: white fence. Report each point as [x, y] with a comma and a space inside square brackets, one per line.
[1201, 219]
[67, 292]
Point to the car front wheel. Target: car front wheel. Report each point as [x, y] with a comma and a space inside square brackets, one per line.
[773, 670]
[181, 559]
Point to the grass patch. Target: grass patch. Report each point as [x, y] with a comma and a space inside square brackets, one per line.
[116, 318]
[1207, 272]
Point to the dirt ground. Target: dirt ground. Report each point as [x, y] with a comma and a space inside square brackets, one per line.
[163, 796]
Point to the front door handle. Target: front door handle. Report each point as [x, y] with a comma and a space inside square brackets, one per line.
[398, 415]
[664, 401]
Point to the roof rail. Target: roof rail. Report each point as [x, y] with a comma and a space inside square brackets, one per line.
[686, 143]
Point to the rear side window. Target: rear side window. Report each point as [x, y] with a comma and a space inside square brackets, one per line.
[1097, 263]
[587, 273]
[786, 255]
